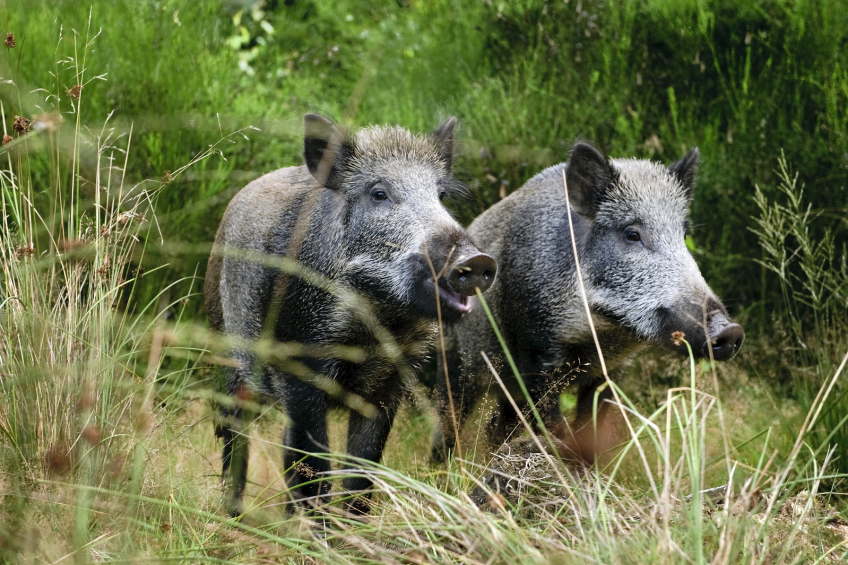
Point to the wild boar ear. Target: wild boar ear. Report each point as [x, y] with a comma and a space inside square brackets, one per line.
[589, 176]
[326, 150]
[686, 169]
[444, 137]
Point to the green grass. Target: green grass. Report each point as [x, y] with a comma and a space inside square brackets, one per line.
[106, 369]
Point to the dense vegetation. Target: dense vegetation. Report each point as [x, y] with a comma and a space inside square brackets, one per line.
[103, 356]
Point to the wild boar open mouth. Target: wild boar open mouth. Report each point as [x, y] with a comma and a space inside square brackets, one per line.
[449, 298]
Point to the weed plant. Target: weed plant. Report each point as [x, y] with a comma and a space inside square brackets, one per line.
[813, 276]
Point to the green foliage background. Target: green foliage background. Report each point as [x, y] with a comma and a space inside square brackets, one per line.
[743, 81]
[740, 80]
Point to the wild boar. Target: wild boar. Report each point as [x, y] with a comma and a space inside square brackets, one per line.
[365, 216]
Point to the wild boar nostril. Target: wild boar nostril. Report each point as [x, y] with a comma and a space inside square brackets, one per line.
[727, 342]
[477, 271]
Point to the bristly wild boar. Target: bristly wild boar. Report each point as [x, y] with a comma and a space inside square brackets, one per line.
[641, 282]
[365, 213]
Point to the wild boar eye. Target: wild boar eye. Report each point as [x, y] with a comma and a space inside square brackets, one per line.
[632, 235]
[379, 195]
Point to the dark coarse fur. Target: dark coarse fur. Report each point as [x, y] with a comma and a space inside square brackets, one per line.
[364, 214]
[639, 291]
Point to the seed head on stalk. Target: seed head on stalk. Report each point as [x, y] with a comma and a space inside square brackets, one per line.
[21, 125]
